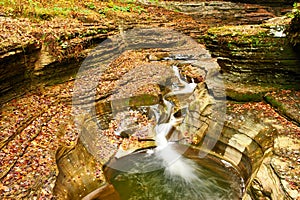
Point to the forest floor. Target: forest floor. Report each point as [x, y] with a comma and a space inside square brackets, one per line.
[34, 125]
[66, 31]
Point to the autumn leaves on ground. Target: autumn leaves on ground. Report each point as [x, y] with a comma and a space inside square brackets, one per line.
[67, 27]
[32, 128]
[36, 123]
[63, 27]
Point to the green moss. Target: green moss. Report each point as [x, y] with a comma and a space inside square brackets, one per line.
[143, 100]
[129, 6]
[274, 103]
[244, 97]
[246, 35]
[234, 31]
[42, 9]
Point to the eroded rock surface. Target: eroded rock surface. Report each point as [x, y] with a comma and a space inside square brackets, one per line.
[32, 56]
[277, 139]
[248, 54]
[259, 141]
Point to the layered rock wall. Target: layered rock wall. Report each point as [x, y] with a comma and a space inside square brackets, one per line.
[255, 54]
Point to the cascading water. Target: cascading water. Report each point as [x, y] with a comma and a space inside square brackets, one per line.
[164, 173]
[160, 171]
[173, 162]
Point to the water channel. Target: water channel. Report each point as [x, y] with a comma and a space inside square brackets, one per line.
[171, 168]
[163, 173]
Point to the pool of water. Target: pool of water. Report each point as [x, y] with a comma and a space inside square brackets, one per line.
[138, 182]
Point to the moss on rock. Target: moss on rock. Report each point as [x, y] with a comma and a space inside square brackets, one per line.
[294, 26]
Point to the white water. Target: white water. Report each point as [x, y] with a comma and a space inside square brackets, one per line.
[175, 165]
[170, 175]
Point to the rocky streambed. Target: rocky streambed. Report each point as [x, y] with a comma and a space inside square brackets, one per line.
[48, 151]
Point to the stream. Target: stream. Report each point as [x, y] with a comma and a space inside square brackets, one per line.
[173, 163]
[166, 167]
[210, 180]
[166, 172]
[147, 116]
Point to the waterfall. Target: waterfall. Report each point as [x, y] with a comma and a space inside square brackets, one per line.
[175, 165]
[173, 162]
[163, 172]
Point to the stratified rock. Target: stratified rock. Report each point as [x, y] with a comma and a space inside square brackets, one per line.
[227, 12]
[27, 61]
[287, 102]
[255, 54]
[78, 173]
[294, 27]
[242, 92]
[267, 2]
[268, 145]
[198, 119]
[266, 182]
[16, 66]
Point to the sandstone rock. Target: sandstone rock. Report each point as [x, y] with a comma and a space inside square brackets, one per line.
[250, 142]
[268, 2]
[247, 54]
[198, 119]
[28, 62]
[266, 183]
[79, 173]
[106, 192]
[273, 153]
[226, 12]
[287, 102]
[16, 67]
[246, 92]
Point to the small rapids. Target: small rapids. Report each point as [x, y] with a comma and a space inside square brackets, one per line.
[173, 162]
[164, 173]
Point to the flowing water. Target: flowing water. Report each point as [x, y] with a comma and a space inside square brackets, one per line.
[210, 180]
[164, 173]
[173, 162]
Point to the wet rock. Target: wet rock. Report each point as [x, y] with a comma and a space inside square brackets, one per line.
[79, 173]
[16, 67]
[248, 53]
[273, 151]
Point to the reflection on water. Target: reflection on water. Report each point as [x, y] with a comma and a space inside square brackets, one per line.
[214, 182]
